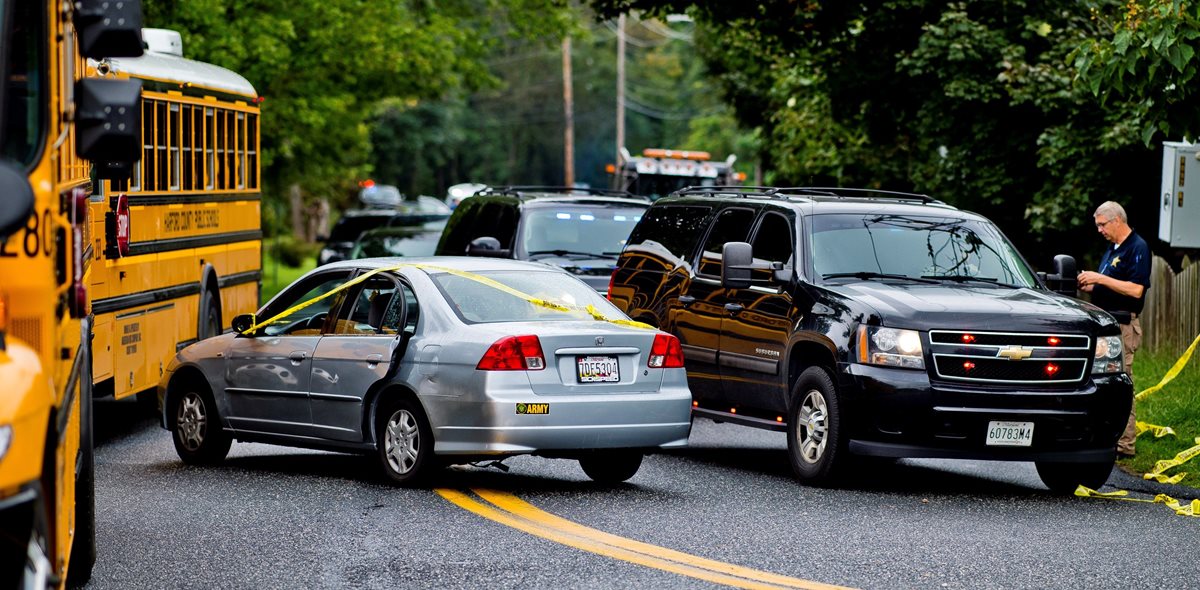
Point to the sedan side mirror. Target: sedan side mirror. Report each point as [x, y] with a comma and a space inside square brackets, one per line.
[242, 323]
[737, 259]
[487, 246]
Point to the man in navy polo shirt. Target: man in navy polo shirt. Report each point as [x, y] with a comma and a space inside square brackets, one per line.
[1120, 289]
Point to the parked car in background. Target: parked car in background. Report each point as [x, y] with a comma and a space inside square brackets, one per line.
[580, 230]
[879, 324]
[458, 192]
[420, 212]
[425, 362]
[405, 240]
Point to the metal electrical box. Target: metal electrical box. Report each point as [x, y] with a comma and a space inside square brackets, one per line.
[1179, 205]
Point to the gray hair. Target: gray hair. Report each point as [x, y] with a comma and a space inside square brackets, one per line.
[1111, 209]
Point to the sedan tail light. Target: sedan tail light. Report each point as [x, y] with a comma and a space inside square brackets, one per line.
[514, 353]
[666, 353]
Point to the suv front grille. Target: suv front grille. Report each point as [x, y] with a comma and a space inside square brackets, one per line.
[1003, 357]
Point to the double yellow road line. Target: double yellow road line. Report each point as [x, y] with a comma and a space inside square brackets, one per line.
[514, 512]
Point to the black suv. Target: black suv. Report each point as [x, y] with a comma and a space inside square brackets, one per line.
[424, 212]
[878, 324]
[580, 230]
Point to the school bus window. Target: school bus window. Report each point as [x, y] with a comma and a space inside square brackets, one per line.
[173, 147]
[161, 163]
[185, 146]
[210, 172]
[241, 143]
[25, 92]
[252, 149]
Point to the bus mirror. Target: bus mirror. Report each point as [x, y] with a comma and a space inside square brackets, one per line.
[108, 121]
[109, 29]
[18, 199]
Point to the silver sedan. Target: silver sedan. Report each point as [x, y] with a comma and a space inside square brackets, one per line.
[428, 362]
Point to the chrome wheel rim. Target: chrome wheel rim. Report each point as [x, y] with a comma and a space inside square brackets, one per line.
[402, 442]
[191, 421]
[813, 428]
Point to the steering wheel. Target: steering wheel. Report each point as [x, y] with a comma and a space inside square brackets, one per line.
[316, 322]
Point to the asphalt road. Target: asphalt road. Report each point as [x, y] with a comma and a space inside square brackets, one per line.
[273, 517]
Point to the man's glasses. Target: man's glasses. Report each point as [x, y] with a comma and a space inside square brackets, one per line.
[1101, 224]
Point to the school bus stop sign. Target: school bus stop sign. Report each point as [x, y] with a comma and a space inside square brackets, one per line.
[122, 219]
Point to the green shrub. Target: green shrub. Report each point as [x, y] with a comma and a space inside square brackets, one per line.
[292, 252]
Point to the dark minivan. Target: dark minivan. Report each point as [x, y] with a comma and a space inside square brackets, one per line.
[877, 324]
[580, 230]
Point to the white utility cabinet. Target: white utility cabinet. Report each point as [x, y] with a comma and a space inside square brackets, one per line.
[1179, 202]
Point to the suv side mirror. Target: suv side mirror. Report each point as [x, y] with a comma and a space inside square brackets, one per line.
[18, 200]
[242, 323]
[487, 246]
[1063, 281]
[737, 260]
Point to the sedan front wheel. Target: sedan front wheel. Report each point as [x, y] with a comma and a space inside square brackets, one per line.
[199, 438]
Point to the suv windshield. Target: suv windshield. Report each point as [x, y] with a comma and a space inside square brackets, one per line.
[478, 302]
[572, 230]
[908, 246]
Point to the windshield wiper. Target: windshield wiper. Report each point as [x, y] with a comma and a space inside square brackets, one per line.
[569, 254]
[876, 275]
[968, 278]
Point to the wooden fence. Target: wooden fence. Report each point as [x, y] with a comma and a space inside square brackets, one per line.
[1171, 318]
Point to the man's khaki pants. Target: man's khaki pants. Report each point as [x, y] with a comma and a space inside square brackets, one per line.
[1131, 340]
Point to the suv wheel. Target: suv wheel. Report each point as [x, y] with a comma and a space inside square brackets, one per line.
[815, 443]
[1063, 478]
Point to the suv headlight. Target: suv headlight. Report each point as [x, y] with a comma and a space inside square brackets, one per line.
[1110, 357]
[890, 347]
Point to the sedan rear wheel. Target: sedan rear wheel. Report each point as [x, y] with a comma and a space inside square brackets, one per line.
[612, 466]
[405, 443]
[199, 438]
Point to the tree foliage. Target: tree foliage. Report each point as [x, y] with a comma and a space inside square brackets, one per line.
[322, 66]
[975, 103]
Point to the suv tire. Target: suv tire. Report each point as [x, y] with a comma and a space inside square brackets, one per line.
[1063, 478]
[815, 442]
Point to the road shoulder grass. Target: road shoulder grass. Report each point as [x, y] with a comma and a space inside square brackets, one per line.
[1176, 405]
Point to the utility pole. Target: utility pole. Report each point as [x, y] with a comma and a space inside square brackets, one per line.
[620, 87]
[569, 109]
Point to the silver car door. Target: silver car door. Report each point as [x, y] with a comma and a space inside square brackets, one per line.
[357, 354]
[267, 374]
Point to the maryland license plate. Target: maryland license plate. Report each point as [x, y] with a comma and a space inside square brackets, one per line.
[597, 369]
[1009, 434]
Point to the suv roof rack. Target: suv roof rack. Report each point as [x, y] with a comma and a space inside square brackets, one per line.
[806, 191]
[566, 191]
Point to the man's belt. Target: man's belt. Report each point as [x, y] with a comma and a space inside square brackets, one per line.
[1124, 317]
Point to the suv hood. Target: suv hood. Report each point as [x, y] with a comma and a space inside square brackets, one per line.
[926, 307]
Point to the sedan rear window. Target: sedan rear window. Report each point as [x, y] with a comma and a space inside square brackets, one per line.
[476, 301]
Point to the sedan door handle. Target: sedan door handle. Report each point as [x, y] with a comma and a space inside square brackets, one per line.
[373, 360]
[687, 300]
[298, 356]
[733, 307]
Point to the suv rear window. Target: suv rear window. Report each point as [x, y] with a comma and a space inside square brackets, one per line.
[673, 228]
[477, 302]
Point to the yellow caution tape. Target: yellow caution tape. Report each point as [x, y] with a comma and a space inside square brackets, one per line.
[1190, 509]
[1160, 478]
[1159, 431]
[590, 310]
[1181, 458]
[1174, 372]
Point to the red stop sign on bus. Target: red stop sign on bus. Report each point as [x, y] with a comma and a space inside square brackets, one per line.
[122, 224]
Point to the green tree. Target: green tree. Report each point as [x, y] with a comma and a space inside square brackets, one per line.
[973, 103]
[323, 65]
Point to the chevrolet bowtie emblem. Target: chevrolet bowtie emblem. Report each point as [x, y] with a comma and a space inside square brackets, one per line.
[1016, 353]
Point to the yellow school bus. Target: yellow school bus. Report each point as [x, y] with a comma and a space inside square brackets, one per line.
[53, 122]
[177, 237]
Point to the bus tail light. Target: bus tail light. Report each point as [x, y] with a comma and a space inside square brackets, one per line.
[116, 225]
